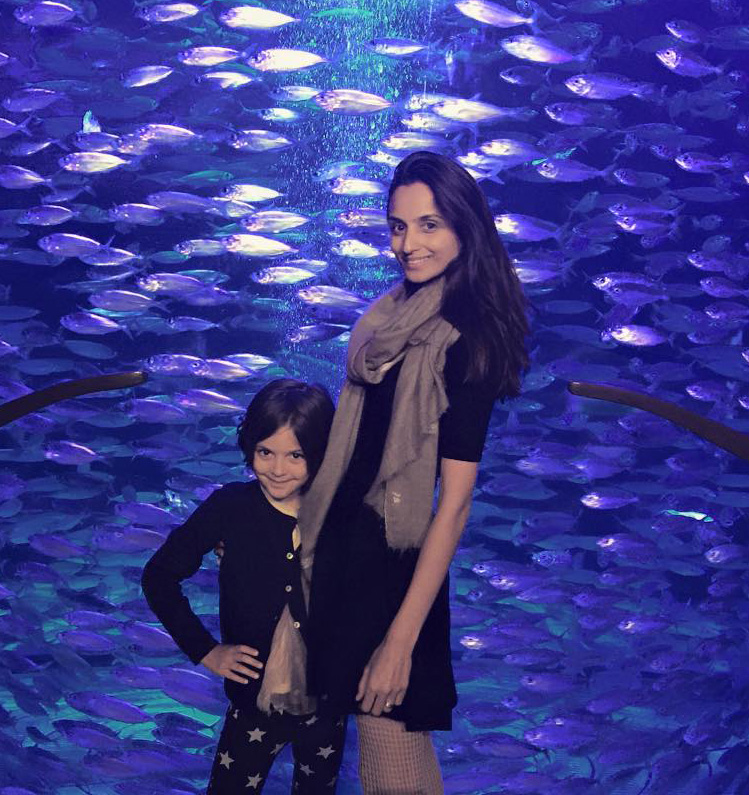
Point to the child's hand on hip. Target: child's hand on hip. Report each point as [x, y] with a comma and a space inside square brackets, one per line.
[233, 662]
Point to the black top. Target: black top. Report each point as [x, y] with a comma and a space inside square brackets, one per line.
[259, 575]
[358, 582]
[462, 428]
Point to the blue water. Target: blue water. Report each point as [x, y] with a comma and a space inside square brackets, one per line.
[600, 595]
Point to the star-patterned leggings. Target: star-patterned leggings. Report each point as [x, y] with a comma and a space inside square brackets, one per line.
[251, 740]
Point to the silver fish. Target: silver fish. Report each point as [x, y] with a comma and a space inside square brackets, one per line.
[26, 100]
[686, 63]
[207, 55]
[336, 297]
[168, 12]
[226, 78]
[273, 221]
[606, 85]
[492, 13]
[121, 300]
[348, 100]
[45, 215]
[165, 134]
[687, 31]
[396, 48]
[89, 323]
[293, 93]
[525, 228]
[282, 274]
[68, 245]
[246, 192]
[146, 75]
[141, 214]
[207, 401]
[541, 50]
[259, 141]
[638, 336]
[169, 284]
[473, 111]
[353, 186]
[248, 245]
[69, 453]
[91, 162]
[200, 248]
[278, 59]
[254, 18]
[19, 178]
[44, 13]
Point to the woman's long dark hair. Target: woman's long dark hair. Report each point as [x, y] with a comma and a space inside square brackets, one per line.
[483, 298]
[306, 408]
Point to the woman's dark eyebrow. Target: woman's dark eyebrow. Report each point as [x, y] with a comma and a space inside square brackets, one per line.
[420, 218]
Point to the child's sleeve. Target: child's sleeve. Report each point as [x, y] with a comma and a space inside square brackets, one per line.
[178, 558]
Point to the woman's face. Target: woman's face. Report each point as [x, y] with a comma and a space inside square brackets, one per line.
[421, 239]
[280, 467]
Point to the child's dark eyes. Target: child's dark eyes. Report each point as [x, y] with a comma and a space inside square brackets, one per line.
[264, 453]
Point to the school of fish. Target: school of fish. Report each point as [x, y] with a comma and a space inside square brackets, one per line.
[197, 190]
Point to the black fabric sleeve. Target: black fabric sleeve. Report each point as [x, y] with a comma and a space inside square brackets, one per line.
[464, 425]
[178, 558]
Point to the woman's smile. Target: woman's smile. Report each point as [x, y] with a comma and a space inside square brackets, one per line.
[421, 239]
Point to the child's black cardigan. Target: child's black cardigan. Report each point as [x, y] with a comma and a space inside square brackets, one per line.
[259, 574]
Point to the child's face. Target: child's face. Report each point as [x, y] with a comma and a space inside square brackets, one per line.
[280, 466]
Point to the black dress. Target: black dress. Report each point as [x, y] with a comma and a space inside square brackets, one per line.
[359, 583]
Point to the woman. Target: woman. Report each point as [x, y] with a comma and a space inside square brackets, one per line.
[425, 364]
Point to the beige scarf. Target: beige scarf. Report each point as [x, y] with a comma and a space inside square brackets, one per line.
[394, 328]
[284, 687]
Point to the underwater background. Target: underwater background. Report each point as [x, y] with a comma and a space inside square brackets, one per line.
[196, 190]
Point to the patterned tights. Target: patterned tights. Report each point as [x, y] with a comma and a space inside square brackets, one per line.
[393, 761]
[251, 740]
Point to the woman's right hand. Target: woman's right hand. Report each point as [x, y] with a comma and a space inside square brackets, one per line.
[233, 662]
[218, 551]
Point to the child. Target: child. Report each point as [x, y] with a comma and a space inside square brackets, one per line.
[262, 610]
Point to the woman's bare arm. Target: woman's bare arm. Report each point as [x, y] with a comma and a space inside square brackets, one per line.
[385, 679]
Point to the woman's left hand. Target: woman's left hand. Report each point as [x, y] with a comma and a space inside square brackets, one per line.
[384, 682]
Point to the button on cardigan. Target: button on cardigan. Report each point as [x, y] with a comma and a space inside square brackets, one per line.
[259, 575]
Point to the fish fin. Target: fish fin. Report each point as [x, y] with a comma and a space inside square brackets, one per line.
[23, 127]
[608, 173]
[493, 176]
[650, 92]
[90, 123]
[539, 14]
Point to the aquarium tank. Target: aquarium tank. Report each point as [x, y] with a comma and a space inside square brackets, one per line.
[196, 191]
